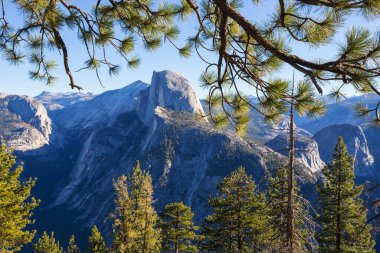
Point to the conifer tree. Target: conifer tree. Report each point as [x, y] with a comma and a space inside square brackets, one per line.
[342, 214]
[123, 227]
[96, 242]
[178, 229]
[72, 247]
[135, 220]
[302, 100]
[47, 244]
[304, 226]
[239, 219]
[16, 205]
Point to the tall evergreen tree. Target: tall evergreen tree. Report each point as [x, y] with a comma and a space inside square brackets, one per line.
[342, 214]
[96, 242]
[301, 100]
[304, 226]
[72, 247]
[178, 229]
[123, 226]
[239, 220]
[47, 244]
[16, 205]
[135, 220]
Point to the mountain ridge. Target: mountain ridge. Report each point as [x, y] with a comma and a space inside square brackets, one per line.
[161, 125]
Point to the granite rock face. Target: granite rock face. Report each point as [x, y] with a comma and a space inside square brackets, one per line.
[169, 90]
[24, 122]
[372, 134]
[356, 142]
[306, 150]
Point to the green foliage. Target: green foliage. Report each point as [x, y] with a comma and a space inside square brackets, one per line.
[178, 229]
[16, 205]
[185, 51]
[47, 244]
[72, 247]
[304, 226]
[242, 54]
[305, 101]
[342, 214]
[135, 220]
[98, 28]
[239, 220]
[96, 242]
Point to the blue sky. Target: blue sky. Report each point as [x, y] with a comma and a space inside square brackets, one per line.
[15, 80]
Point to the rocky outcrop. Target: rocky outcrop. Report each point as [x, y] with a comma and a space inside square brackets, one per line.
[24, 122]
[169, 90]
[372, 133]
[306, 151]
[356, 143]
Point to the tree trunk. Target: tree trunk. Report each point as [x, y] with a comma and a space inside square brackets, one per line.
[338, 219]
[290, 194]
[176, 250]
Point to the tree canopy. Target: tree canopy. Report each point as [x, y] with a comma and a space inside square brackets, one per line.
[239, 221]
[135, 222]
[47, 244]
[16, 204]
[243, 50]
[342, 215]
[178, 228]
[96, 242]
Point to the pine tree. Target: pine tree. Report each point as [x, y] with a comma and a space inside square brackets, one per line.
[123, 226]
[16, 206]
[135, 220]
[178, 229]
[304, 226]
[303, 101]
[72, 247]
[47, 244]
[239, 220]
[96, 242]
[342, 214]
[145, 217]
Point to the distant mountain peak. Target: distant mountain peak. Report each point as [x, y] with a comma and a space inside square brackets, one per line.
[27, 123]
[169, 90]
[356, 142]
[55, 101]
